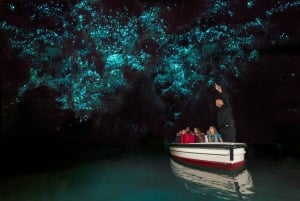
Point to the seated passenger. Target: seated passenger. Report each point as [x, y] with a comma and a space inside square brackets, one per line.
[200, 135]
[188, 130]
[213, 135]
[190, 135]
[177, 137]
[187, 136]
[183, 136]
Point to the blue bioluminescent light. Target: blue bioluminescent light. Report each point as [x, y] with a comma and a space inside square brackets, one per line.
[83, 51]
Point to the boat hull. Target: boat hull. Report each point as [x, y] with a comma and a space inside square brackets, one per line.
[225, 156]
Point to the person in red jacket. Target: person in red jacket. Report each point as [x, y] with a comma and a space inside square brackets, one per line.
[187, 136]
[183, 136]
[190, 135]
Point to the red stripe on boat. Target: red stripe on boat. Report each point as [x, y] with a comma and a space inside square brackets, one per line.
[211, 164]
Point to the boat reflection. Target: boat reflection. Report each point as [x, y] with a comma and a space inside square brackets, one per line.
[233, 185]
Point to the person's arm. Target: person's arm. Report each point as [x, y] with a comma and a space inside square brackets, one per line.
[219, 137]
[223, 94]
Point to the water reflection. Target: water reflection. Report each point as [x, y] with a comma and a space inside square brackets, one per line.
[233, 186]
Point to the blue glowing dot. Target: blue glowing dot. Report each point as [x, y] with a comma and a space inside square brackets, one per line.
[250, 4]
[12, 7]
[80, 18]
[177, 115]
[283, 37]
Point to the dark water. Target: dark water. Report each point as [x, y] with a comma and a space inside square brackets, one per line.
[148, 177]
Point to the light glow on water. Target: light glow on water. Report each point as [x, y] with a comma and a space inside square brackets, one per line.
[153, 177]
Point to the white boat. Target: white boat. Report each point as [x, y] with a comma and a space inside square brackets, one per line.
[232, 186]
[219, 155]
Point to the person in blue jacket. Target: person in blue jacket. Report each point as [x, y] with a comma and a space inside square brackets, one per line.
[213, 135]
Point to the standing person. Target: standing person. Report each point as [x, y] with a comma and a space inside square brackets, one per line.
[225, 118]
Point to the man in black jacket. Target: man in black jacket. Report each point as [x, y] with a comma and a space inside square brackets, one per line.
[225, 118]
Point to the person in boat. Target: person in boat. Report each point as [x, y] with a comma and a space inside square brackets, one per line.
[188, 130]
[225, 120]
[178, 136]
[213, 135]
[182, 136]
[200, 135]
[187, 136]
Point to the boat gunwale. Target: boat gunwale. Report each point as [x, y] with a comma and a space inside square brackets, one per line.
[219, 145]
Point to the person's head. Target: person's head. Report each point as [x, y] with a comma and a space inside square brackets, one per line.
[197, 131]
[212, 130]
[219, 102]
[187, 129]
